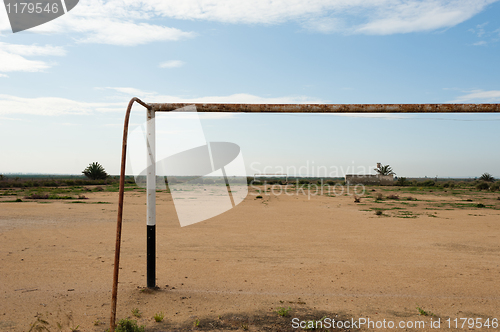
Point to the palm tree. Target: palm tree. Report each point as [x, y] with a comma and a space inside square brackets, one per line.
[95, 171]
[487, 177]
[384, 170]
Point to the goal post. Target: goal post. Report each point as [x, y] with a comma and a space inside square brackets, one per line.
[151, 200]
[152, 108]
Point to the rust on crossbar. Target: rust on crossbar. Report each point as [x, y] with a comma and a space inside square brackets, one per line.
[331, 108]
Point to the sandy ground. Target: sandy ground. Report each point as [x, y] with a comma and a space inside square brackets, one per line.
[321, 255]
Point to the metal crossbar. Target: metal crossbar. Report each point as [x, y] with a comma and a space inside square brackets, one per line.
[331, 108]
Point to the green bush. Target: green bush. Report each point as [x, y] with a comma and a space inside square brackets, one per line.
[483, 186]
[283, 312]
[128, 325]
[402, 181]
[158, 316]
[495, 186]
[427, 183]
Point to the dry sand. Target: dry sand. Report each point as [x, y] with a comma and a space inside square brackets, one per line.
[317, 256]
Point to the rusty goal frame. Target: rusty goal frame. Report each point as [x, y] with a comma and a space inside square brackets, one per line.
[152, 108]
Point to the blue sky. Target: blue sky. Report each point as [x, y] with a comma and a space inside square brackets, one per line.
[64, 85]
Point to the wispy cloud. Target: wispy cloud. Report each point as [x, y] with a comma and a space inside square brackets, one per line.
[128, 33]
[128, 23]
[129, 91]
[172, 64]
[53, 106]
[479, 96]
[481, 43]
[349, 16]
[238, 98]
[411, 16]
[33, 50]
[50, 106]
[242, 98]
[13, 57]
[487, 36]
[14, 62]
[479, 29]
[113, 22]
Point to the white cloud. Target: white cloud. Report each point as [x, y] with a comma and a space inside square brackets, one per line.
[12, 57]
[33, 50]
[53, 106]
[239, 98]
[3, 75]
[243, 98]
[480, 43]
[129, 91]
[411, 16]
[13, 62]
[123, 22]
[172, 64]
[49, 106]
[479, 30]
[352, 16]
[487, 36]
[479, 96]
[113, 22]
[128, 33]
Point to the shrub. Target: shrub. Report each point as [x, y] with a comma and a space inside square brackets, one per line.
[402, 182]
[283, 312]
[378, 212]
[379, 197]
[495, 186]
[393, 196]
[136, 312]
[483, 186]
[128, 325]
[428, 183]
[37, 196]
[159, 316]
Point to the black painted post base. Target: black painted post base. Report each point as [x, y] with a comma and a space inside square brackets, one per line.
[151, 256]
